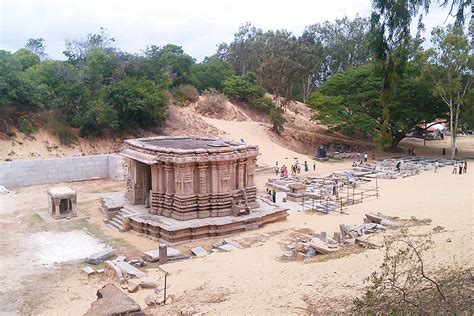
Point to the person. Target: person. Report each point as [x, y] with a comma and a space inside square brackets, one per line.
[455, 168]
[334, 190]
[444, 151]
[285, 171]
[314, 166]
[436, 165]
[306, 169]
[373, 155]
[277, 168]
[358, 156]
[397, 167]
[298, 169]
[354, 164]
[465, 166]
[413, 152]
[461, 165]
[274, 196]
[366, 157]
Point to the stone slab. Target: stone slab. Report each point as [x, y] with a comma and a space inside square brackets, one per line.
[112, 301]
[199, 251]
[154, 255]
[100, 256]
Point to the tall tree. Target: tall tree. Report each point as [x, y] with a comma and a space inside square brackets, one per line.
[451, 68]
[36, 45]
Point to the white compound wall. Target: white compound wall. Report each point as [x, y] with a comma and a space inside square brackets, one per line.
[57, 170]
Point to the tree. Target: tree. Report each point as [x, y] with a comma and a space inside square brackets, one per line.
[277, 119]
[36, 46]
[343, 44]
[172, 60]
[390, 38]
[451, 66]
[243, 88]
[26, 58]
[350, 102]
[211, 73]
[77, 50]
[138, 103]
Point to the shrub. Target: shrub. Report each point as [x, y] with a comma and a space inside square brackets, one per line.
[212, 103]
[26, 126]
[186, 94]
[263, 104]
[63, 132]
[243, 88]
[277, 119]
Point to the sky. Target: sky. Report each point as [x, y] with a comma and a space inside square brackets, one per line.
[196, 25]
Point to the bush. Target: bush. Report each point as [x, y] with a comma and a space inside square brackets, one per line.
[243, 88]
[63, 132]
[277, 119]
[186, 94]
[26, 126]
[263, 104]
[212, 103]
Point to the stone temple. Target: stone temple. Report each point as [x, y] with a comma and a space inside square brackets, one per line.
[182, 188]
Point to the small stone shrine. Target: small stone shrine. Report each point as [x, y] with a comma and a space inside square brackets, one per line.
[296, 192]
[200, 187]
[62, 202]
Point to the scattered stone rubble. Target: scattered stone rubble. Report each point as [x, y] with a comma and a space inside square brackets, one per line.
[306, 248]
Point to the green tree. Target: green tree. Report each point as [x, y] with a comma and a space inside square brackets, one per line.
[350, 102]
[211, 73]
[36, 46]
[243, 88]
[138, 103]
[26, 58]
[451, 66]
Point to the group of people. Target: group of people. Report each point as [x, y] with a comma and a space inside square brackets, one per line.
[295, 169]
[460, 167]
[271, 195]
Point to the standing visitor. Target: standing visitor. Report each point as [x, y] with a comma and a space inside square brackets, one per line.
[366, 157]
[274, 196]
[306, 169]
[277, 168]
[314, 166]
[465, 166]
[455, 168]
[397, 167]
[444, 151]
[358, 157]
[373, 155]
[436, 165]
[461, 165]
[413, 152]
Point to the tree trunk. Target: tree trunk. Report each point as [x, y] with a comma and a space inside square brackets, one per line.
[453, 132]
[397, 137]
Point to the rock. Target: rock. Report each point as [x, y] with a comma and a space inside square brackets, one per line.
[128, 269]
[112, 301]
[3, 190]
[100, 271]
[337, 237]
[154, 255]
[132, 286]
[113, 270]
[227, 247]
[100, 256]
[299, 247]
[374, 218]
[389, 223]
[150, 300]
[320, 246]
[199, 251]
[300, 256]
[88, 270]
[287, 255]
[311, 252]
[121, 258]
[323, 235]
[232, 242]
[148, 285]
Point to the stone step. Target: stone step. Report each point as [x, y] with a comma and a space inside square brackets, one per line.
[116, 223]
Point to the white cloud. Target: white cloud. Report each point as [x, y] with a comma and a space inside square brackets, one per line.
[198, 26]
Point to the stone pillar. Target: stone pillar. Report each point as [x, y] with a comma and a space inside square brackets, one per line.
[56, 211]
[154, 189]
[202, 191]
[163, 254]
[240, 174]
[169, 189]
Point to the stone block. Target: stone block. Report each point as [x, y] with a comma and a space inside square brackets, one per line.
[100, 256]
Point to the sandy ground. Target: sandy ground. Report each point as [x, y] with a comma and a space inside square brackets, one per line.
[247, 281]
[252, 280]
